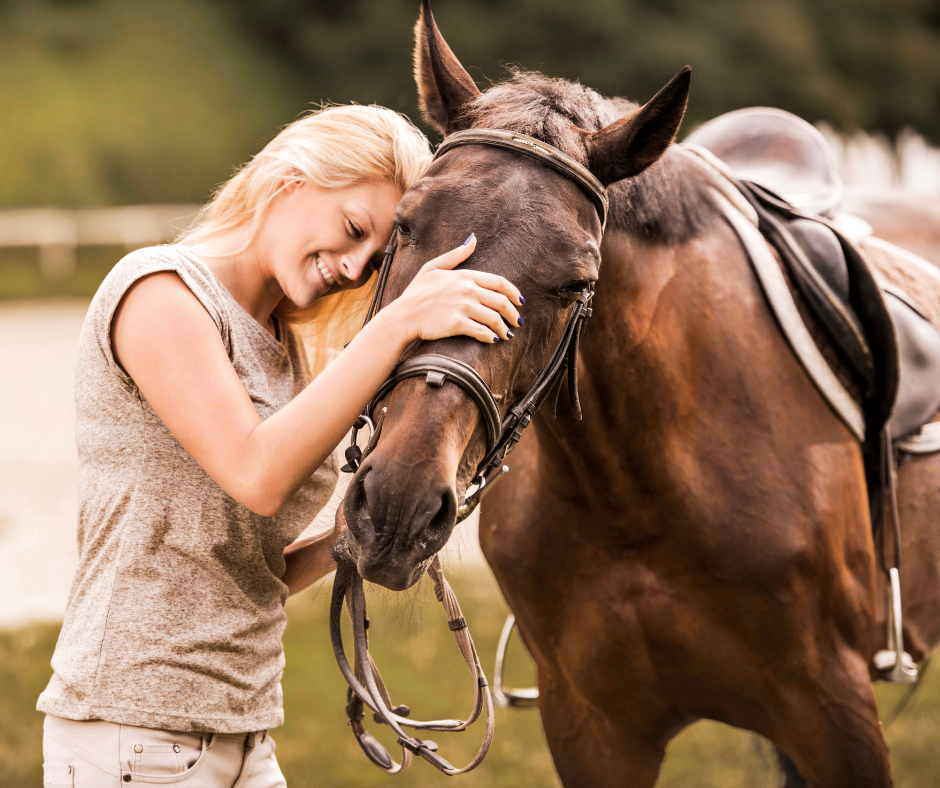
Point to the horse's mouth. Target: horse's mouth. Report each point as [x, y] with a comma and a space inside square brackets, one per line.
[390, 569]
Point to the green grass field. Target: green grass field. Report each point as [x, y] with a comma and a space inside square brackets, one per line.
[420, 662]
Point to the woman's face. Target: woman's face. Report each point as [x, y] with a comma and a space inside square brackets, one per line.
[320, 240]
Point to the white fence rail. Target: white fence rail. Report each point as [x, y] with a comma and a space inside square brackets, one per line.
[58, 232]
[910, 164]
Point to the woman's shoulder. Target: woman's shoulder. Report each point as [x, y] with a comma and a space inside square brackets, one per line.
[148, 259]
[152, 259]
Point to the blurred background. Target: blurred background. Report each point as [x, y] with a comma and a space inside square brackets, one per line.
[117, 120]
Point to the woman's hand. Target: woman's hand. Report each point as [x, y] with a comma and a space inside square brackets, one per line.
[441, 302]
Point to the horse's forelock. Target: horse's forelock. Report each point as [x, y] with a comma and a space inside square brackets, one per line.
[551, 110]
[668, 201]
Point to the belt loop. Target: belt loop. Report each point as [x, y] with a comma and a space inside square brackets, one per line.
[211, 740]
[264, 735]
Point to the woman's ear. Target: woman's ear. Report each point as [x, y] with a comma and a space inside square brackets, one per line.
[291, 183]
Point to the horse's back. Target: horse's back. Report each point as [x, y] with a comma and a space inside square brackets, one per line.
[910, 221]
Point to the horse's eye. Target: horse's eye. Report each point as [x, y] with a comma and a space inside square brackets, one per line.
[573, 290]
[404, 229]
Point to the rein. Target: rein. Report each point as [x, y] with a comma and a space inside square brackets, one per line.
[366, 687]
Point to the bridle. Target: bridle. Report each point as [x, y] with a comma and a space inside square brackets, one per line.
[502, 434]
[366, 687]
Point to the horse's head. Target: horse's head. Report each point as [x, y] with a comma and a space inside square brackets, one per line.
[536, 227]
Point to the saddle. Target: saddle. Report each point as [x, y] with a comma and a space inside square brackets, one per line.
[784, 168]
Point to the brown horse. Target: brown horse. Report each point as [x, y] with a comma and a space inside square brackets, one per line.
[699, 546]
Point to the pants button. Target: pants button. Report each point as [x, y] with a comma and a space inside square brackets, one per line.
[176, 748]
[138, 748]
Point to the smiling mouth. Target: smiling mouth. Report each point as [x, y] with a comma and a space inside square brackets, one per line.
[324, 271]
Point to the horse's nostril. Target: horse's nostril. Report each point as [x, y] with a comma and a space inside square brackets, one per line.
[357, 496]
[446, 515]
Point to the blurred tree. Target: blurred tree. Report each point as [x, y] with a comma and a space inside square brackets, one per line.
[108, 102]
[123, 101]
[858, 64]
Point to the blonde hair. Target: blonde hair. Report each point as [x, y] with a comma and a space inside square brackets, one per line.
[330, 147]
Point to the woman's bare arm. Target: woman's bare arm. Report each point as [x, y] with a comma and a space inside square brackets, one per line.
[311, 558]
[170, 346]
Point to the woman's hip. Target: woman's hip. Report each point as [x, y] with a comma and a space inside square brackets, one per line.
[96, 753]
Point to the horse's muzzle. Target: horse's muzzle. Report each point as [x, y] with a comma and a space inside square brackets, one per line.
[397, 518]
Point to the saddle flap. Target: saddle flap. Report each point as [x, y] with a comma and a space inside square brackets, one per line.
[822, 248]
[919, 390]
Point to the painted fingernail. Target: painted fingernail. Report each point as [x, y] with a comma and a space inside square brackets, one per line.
[509, 333]
[469, 238]
[521, 320]
[496, 339]
[521, 299]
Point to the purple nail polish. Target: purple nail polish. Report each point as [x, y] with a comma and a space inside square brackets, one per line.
[468, 240]
[510, 334]
[521, 320]
[495, 339]
[521, 299]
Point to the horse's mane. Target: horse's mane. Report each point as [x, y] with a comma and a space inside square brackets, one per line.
[667, 202]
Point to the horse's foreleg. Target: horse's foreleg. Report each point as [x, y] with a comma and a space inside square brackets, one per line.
[589, 751]
[831, 731]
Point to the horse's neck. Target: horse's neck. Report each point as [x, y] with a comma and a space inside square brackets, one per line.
[681, 355]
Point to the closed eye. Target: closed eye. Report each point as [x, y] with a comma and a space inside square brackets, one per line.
[576, 288]
[354, 230]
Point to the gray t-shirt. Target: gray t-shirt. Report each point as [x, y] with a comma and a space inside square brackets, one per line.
[175, 615]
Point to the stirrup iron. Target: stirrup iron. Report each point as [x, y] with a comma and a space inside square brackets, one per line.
[896, 665]
[509, 696]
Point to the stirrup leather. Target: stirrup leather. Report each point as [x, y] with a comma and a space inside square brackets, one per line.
[894, 663]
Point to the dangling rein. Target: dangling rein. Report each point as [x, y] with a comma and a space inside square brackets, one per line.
[366, 687]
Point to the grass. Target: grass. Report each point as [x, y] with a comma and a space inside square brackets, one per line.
[21, 278]
[419, 660]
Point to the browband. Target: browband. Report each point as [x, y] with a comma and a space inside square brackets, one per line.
[541, 152]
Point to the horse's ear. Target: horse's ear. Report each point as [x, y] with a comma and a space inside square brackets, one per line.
[631, 144]
[444, 86]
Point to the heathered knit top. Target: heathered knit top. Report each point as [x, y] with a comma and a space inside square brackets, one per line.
[175, 615]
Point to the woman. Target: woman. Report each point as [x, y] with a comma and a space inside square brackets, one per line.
[205, 450]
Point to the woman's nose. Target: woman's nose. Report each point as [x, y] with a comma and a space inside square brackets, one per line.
[354, 264]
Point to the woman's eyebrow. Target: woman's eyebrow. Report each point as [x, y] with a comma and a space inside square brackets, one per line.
[364, 210]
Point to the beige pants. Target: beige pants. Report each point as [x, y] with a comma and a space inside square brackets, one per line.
[95, 754]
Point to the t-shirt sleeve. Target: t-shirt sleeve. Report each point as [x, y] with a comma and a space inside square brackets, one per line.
[129, 270]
